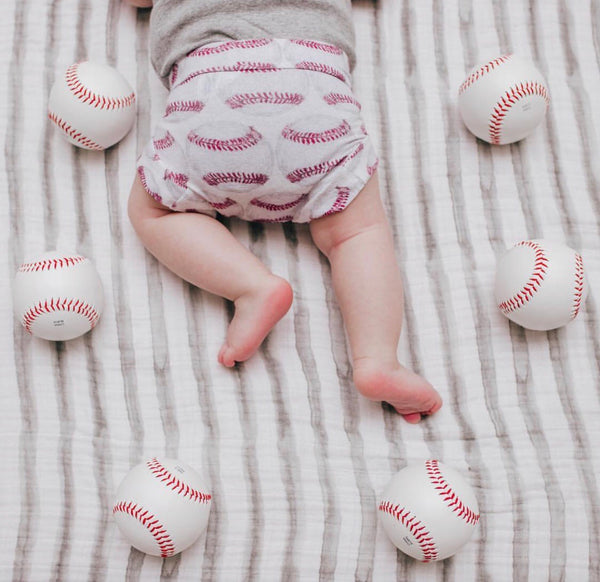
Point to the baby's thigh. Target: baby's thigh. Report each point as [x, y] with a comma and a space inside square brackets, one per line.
[141, 205]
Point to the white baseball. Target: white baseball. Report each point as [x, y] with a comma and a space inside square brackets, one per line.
[92, 104]
[162, 506]
[540, 285]
[503, 100]
[428, 510]
[58, 296]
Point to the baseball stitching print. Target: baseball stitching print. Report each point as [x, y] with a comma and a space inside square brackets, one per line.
[319, 46]
[163, 143]
[183, 106]
[334, 98]
[278, 207]
[227, 46]
[314, 137]
[239, 67]
[243, 166]
[322, 68]
[228, 145]
[264, 97]
[177, 178]
[341, 201]
[144, 181]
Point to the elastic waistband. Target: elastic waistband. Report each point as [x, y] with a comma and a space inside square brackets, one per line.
[262, 55]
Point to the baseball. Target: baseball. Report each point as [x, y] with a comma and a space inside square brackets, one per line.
[92, 104]
[503, 100]
[162, 507]
[428, 511]
[58, 296]
[540, 285]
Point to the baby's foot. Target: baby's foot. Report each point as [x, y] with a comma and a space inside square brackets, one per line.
[410, 394]
[256, 313]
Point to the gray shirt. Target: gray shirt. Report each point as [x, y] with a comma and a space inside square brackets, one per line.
[179, 26]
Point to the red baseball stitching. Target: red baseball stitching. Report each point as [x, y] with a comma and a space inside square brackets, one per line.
[177, 178]
[321, 46]
[321, 68]
[239, 67]
[175, 484]
[415, 527]
[174, 74]
[73, 133]
[334, 98]
[178, 106]
[341, 201]
[222, 205]
[287, 218]
[216, 178]
[229, 145]
[538, 273]
[84, 94]
[151, 523]
[226, 46]
[481, 71]
[57, 304]
[579, 285]
[372, 168]
[144, 181]
[448, 495]
[277, 207]
[508, 100]
[359, 148]
[313, 137]
[300, 174]
[51, 264]
[272, 97]
[163, 143]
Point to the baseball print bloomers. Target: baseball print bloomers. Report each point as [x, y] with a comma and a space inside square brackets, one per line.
[263, 129]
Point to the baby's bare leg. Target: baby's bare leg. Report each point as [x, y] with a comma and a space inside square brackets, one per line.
[202, 251]
[367, 283]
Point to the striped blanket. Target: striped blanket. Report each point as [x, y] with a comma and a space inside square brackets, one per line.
[295, 458]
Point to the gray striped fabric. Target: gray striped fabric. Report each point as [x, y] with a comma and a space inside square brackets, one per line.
[295, 457]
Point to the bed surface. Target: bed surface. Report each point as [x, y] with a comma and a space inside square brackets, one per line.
[295, 458]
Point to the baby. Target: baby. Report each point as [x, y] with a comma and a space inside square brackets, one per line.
[261, 123]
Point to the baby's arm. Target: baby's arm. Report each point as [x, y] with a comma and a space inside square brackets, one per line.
[140, 3]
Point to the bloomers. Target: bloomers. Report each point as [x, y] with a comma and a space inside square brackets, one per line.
[264, 129]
